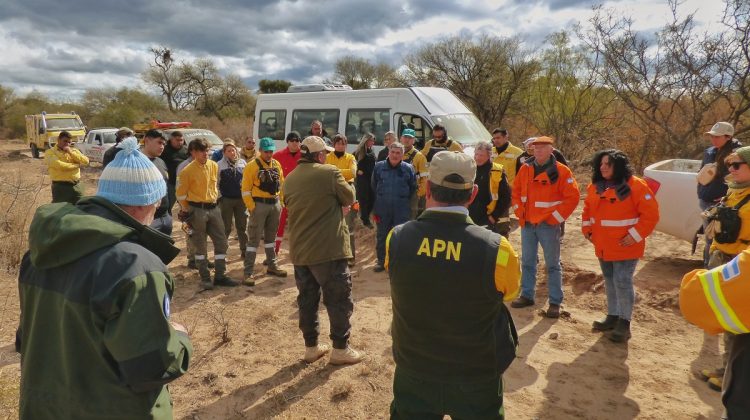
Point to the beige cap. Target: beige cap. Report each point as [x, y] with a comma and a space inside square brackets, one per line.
[721, 129]
[543, 140]
[125, 130]
[447, 163]
[228, 142]
[315, 144]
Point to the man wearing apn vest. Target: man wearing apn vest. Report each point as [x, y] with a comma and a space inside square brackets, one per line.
[416, 159]
[544, 195]
[452, 335]
[439, 143]
[492, 205]
[716, 301]
[261, 187]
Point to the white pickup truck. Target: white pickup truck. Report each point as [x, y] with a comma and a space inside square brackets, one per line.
[675, 185]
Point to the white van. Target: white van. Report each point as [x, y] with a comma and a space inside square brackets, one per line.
[356, 112]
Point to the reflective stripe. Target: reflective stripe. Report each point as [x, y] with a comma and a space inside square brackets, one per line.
[523, 199]
[723, 312]
[279, 239]
[587, 223]
[502, 219]
[220, 257]
[181, 197]
[423, 174]
[619, 223]
[634, 233]
[246, 193]
[251, 249]
[558, 216]
[494, 197]
[200, 257]
[269, 245]
[546, 204]
[502, 257]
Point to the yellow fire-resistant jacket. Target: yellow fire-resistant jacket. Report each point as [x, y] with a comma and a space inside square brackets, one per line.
[346, 163]
[65, 166]
[496, 175]
[716, 300]
[416, 159]
[198, 183]
[507, 157]
[251, 182]
[743, 239]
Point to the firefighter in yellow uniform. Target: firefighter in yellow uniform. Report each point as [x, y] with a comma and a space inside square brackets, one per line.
[439, 143]
[64, 162]
[261, 189]
[347, 163]
[505, 153]
[416, 159]
[716, 300]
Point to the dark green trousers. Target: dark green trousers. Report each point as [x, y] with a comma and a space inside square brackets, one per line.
[66, 192]
[419, 399]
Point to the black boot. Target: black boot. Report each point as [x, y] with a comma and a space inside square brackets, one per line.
[621, 333]
[605, 324]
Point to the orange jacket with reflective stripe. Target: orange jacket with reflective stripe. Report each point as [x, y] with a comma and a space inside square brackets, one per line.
[536, 199]
[716, 300]
[608, 219]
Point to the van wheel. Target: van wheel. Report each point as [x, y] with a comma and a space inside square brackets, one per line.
[34, 151]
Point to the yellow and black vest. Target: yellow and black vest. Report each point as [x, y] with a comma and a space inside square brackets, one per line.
[449, 320]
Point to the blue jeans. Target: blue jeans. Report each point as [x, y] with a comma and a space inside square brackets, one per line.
[706, 249]
[618, 282]
[549, 237]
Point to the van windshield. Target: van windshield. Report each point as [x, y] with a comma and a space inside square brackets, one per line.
[464, 128]
[109, 137]
[63, 124]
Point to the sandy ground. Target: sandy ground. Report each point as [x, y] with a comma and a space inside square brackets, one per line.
[248, 348]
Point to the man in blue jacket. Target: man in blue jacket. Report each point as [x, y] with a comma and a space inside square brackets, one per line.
[393, 183]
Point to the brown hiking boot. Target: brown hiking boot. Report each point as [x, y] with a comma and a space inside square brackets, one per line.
[522, 302]
[715, 383]
[347, 356]
[553, 311]
[276, 271]
[316, 352]
[707, 374]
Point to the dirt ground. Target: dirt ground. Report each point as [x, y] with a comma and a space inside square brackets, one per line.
[247, 360]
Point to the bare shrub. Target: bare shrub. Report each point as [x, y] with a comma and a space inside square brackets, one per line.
[19, 196]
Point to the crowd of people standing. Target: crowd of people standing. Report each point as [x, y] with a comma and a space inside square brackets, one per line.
[439, 215]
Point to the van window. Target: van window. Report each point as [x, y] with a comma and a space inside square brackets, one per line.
[302, 119]
[272, 124]
[416, 123]
[361, 121]
[463, 128]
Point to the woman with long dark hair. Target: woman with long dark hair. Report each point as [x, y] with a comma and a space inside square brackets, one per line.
[619, 212]
[365, 157]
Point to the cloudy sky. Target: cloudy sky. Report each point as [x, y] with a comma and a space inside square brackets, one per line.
[62, 48]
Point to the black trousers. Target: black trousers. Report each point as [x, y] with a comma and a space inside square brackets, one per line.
[736, 387]
[335, 282]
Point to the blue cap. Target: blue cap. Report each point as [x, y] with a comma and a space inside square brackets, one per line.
[267, 144]
[131, 178]
[408, 132]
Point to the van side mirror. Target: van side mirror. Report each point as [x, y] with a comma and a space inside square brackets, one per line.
[41, 130]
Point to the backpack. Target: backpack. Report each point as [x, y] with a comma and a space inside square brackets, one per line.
[269, 178]
[724, 221]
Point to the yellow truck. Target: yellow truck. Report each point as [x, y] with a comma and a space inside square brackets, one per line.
[42, 130]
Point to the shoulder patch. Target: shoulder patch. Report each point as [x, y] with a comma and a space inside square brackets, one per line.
[165, 305]
[570, 180]
[731, 269]
[647, 197]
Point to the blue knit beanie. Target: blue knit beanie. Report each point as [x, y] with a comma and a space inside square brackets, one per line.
[131, 178]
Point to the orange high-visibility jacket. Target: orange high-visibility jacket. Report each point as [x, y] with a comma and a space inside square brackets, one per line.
[549, 197]
[716, 300]
[610, 214]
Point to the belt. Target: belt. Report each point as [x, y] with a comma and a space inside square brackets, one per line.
[66, 182]
[265, 200]
[207, 206]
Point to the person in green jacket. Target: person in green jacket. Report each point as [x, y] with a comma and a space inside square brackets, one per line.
[95, 335]
[317, 198]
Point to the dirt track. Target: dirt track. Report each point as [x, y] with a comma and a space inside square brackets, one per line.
[247, 360]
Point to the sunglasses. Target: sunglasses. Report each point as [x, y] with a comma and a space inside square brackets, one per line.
[735, 165]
